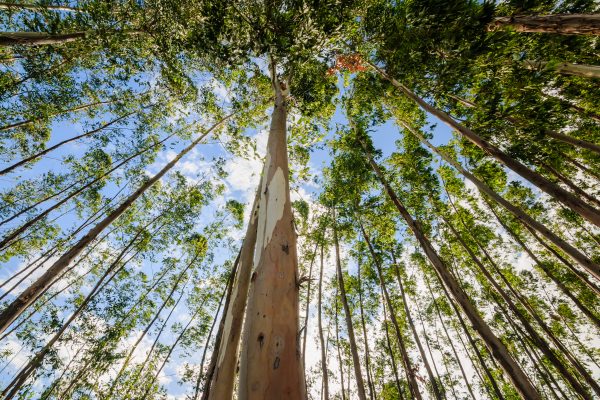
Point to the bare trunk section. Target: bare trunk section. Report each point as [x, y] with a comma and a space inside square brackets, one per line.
[564, 68]
[391, 351]
[228, 349]
[434, 383]
[496, 347]
[271, 360]
[16, 308]
[360, 385]
[570, 200]
[592, 267]
[215, 353]
[408, 368]
[337, 344]
[38, 38]
[564, 24]
[370, 383]
[321, 338]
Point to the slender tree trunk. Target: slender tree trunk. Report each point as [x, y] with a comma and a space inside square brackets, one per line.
[224, 373]
[364, 332]
[391, 351]
[408, 368]
[570, 200]
[14, 386]
[207, 342]
[271, 360]
[552, 133]
[321, 339]
[496, 347]
[564, 24]
[564, 68]
[38, 38]
[307, 310]
[16, 308]
[537, 339]
[360, 386]
[583, 260]
[337, 344]
[472, 342]
[432, 380]
[576, 189]
[62, 143]
[462, 370]
[215, 353]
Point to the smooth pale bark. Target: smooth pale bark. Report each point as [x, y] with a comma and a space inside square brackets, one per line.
[360, 385]
[432, 380]
[564, 24]
[36, 7]
[564, 68]
[225, 293]
[62, 143]
[271, 360]
[17, 306]
[409, 370]
[535, 336]
[592, 267]
[496, 347]
[321, 338]
[38, 38]
[570, 200]
[228, 349]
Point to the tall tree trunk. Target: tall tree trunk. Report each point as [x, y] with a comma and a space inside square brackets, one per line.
[226, 291]
[38, 38]
[224, 373]
[321, 338]
[16, 308]
[391, 351]
[584, 261]
[432, 380]
[307, 310]
[470, 338]
[535, 336]
[408, 368]
[360, 386]
[564, 24]
[271, 360]
[364, 332]
[564, 68]
[111, 272]
[337, 343]
[570, 200]
[575, 188]
[496, 347]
